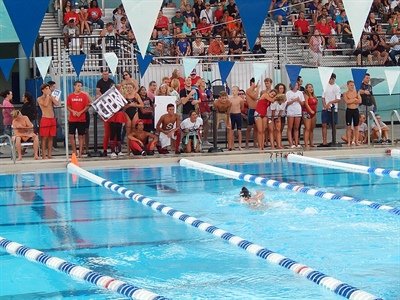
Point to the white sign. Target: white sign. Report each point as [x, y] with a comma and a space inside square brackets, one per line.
[56, 94]
[109, 103]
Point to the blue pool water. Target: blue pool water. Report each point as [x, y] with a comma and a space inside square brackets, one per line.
[90, 226]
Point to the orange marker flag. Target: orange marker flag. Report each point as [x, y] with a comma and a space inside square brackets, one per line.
[74, 160]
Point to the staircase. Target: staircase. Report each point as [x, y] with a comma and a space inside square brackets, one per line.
[50, 26]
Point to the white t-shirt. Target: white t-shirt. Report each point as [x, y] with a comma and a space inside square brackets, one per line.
[362, 128]
[193, 127]
[381, 124]
[395, 39]
[394, 3]
[277, 108]
[294, 109]
[331, 93]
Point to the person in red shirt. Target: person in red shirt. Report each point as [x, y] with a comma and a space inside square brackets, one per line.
[218, 13]
[161, 22]
[324, 29]
[95, 14]
[72, 15]
[301, 25]
[194, 77]
[77, 105]
[205, 29]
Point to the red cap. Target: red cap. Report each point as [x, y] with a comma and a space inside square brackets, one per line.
[139, 121]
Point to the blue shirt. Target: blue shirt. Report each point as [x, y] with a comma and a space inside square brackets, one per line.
[281, 11]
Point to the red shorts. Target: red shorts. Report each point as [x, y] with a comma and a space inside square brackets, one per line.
[48, 127]
[118, 117]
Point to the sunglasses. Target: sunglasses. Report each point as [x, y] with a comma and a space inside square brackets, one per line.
[126, 75]
[241, 94]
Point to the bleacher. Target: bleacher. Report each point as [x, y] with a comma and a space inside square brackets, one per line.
[281, 42]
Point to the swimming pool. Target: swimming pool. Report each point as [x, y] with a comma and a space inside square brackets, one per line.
[90, 226]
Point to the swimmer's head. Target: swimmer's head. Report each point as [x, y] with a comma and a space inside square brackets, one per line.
[244, 193]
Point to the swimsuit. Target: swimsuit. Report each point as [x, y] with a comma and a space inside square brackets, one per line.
[131, 111]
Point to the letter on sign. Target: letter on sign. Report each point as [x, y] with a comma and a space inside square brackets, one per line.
[109, 103]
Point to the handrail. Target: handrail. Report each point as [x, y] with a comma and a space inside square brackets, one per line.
[11, 145]
[371, 115]
[394, 112]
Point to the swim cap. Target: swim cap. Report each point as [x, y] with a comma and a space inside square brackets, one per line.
[244, 192]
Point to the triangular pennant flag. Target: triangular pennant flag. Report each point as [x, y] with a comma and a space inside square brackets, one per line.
[392, 76]
[43, 64]
[225, 68]
[259, 70]
[358, 76]
[324, 75]
[189, 64]
[252, 19]
[142, 15]
[26, 19]
[143, 63]
[357, 13]
[293, 72]
[112, 61]
[77, 62]
[6, 65]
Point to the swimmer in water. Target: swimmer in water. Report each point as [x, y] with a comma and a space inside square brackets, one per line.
[246, 197]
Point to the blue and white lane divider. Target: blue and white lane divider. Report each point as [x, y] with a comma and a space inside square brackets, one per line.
[337, 286]
[395, 152]
[282, 185]
[318, 162]
[79, 272]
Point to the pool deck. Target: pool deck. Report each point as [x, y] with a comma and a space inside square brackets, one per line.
[28, 164]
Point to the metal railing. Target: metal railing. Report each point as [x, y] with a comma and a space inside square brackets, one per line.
[10, 144]
[394, 113]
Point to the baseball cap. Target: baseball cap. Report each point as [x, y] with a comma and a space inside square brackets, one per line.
[139, 121]
[217, 36]
[178, 10]
[194, 72]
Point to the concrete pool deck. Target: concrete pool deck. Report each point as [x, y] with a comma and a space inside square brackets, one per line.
[28, 164]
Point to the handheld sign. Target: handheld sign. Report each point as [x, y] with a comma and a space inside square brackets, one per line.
[109, 103]
[56, 94]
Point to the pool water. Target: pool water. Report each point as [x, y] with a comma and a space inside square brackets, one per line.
[93, 227]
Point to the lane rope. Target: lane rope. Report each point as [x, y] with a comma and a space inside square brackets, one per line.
[318, 162]
[283, 185]
[337, 286]
[103, 281]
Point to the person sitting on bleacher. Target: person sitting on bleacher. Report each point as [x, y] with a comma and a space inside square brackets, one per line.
[95, 14]
[168, 42]
[70, 31]
[258, 48]
[161, 22]
[205, 29]
[110, 37]
[236, 47]
[341, 21]
[281, 12]
[71, 15]
[177, 21]
[322, 13]
[83, 20]
[301, 26]
[217, 48]
[23, 132]
[189, 27]
[395, 44]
